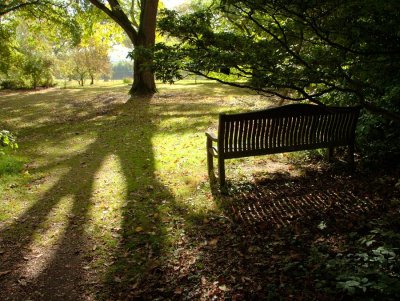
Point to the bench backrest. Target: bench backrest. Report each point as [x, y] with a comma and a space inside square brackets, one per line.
[286, 128]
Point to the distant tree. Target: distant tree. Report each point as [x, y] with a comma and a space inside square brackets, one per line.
[121, 70]
[97, 61]
[90, 61]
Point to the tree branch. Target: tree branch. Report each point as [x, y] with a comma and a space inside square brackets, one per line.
[116, 13]
[5, 9]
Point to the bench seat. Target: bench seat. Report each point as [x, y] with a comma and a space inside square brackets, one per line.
[287, 128]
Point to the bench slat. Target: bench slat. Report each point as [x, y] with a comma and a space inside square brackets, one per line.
[285, 129]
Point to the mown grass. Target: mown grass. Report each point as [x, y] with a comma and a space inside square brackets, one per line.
[125, 180]
[110, 200]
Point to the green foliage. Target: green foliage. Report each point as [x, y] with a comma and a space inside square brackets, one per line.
[378, 140]
[7, 139]
[127, 80]
[330, 52]
[369, 269]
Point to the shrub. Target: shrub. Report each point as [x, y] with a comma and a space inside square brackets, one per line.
[7, 139]
[127, 80]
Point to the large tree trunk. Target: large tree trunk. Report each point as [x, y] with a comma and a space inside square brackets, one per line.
[143, 75]
[143, 78]
[142, 35]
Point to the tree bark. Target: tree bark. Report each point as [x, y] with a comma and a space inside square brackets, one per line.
[143, 75]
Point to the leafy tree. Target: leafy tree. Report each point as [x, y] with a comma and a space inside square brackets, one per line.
[343, 52]
[138, 20]
[88, 61]
[321, 51]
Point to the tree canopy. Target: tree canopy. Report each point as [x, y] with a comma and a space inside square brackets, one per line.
[331, 51]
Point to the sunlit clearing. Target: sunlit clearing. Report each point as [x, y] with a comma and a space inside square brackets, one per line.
[108, 201]
[46, 239]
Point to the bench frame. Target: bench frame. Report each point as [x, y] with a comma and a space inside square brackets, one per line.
[287, 128]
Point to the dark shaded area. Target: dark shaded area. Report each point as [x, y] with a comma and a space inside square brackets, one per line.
[66, 274]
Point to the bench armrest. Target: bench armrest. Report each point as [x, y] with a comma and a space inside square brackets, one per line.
[211, 136]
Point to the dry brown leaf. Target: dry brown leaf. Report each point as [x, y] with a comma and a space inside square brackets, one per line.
[213, 242]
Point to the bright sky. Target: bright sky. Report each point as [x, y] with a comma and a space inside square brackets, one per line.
[172, 3]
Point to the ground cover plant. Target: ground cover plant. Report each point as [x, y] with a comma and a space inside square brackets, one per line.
[110, 200]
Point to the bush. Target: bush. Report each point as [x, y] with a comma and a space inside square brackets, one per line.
[127, 80]
[378, 140]
[7, 139]
[11, 84]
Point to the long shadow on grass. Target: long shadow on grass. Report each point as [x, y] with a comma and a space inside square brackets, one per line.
[61, 267]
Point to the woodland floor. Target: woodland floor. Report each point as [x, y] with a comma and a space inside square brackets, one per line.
[113, 202]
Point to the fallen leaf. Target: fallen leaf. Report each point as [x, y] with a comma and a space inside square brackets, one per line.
[213, 242]
[138, 229]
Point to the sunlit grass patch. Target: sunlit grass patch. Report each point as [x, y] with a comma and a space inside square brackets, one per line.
[108, 202]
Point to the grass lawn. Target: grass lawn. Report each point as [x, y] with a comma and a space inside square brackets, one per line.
[109, 200]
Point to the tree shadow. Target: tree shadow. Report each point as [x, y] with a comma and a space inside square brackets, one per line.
[62, 269]
[48, 251]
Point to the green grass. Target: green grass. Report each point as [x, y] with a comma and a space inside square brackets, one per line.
[114, 195]
[128, 179]
[10, 165]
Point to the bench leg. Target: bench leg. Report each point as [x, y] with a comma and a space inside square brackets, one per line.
[351, 157]
[221, 171]
[210, 163]
[329, 154]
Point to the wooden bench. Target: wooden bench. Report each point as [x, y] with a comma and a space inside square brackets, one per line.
[283, 129]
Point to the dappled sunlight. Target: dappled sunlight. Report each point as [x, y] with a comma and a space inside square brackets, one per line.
[176, 158]
[202, 87]
[25, 110]
[46, 239]
[108, 201]
[117, 202]
[266, 207]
